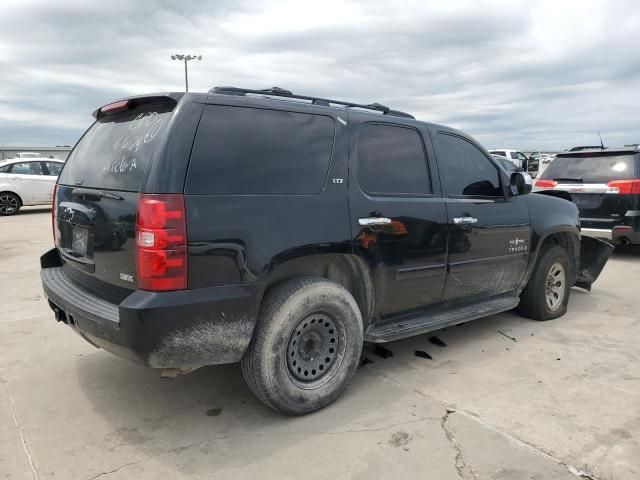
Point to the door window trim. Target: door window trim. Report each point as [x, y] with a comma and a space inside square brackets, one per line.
[483, 198]
[374, 195]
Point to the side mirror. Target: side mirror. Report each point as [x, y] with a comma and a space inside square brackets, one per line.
[520, 183]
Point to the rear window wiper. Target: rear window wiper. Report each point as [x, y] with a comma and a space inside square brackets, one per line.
[569, 179]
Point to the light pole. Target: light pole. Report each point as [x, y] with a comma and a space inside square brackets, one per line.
[186, 58]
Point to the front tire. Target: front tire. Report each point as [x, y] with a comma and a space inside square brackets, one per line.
[306, 346]
[9, 203]
[547, 294]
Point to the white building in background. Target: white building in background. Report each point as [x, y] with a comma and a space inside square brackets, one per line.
[60, 152]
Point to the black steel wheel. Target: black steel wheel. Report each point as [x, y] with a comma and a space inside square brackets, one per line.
[313, 348]
[306, 346]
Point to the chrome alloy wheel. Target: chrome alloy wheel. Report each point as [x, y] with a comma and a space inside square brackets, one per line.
[8, 203]
[554, 289]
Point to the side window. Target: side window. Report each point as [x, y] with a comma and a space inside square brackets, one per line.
[391, 160]
[4, 168]
[27, 168]
[522, 156]
[54, 168]
[499, 152]
[465, 170]
[251, 151]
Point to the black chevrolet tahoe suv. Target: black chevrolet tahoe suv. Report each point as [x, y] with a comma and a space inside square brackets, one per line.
[284, 231]
[605, 186]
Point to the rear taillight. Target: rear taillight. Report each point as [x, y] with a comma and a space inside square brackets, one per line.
[628, 186]
[161, 242]
[546, 183]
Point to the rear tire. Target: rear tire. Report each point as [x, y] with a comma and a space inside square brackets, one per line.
[547, 294]
[10, 203]
[306, 345]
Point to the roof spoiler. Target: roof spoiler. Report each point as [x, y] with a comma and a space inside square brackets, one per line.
[133, 102]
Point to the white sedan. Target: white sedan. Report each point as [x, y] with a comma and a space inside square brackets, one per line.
[27, 182]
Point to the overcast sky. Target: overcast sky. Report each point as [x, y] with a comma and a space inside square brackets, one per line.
[521, 74]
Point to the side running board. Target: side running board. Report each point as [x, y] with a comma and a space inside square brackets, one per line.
[409, 325]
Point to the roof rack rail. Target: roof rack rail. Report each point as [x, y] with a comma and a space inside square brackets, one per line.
[325, 102]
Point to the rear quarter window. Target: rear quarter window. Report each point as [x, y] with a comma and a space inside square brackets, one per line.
[250, 151]
[117, 150]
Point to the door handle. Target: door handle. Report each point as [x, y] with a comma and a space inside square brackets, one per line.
[369, 221]
[464, 220]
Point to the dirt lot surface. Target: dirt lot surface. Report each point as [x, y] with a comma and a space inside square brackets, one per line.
[501, 398]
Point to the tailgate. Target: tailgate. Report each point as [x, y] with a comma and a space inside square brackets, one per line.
[95, 232]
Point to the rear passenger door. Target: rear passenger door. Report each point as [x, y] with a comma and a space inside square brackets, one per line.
[398, 217]
[489, 232]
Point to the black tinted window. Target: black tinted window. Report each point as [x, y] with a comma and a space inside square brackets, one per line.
[465, 170]
[591, 169]
[391, 160]
[4, 168]
[116, 151]
[250, 151]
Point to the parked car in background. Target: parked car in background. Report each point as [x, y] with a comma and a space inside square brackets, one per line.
[605, 186]
[27, 181]
[546, 158]
[28, 155]
[580, 148]
[391, 227]
[527, 164]
[507, 164]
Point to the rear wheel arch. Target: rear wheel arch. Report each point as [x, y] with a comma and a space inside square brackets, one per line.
[346, 270]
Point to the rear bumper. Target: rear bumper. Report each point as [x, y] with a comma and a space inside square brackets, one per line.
[179, 329]
[603, 233]
[614, 235]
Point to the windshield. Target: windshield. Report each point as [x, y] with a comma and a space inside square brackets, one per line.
[595, 169]
[117, 149]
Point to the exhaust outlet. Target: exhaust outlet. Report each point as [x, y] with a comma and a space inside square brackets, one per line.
[624, 241]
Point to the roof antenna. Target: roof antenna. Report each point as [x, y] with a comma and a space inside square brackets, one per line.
[601, 144]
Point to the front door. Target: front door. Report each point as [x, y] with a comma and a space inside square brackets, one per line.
[489, 230]
[398, 217]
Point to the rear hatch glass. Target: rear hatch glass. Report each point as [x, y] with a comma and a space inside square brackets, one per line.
[590, 169]
[97, 196]
[117, 150]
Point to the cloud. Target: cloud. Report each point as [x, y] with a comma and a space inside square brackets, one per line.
[522, 74]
